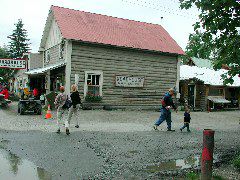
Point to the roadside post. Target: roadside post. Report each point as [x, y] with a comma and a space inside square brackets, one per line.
[207, 154]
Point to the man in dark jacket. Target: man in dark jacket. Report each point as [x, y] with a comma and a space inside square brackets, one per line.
[167, 105]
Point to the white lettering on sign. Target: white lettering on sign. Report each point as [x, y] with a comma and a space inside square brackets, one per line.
[127, 81]
[13, 63]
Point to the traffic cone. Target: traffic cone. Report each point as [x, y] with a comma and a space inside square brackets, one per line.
[49, 114]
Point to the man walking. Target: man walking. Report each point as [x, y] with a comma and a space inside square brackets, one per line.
[167, 105]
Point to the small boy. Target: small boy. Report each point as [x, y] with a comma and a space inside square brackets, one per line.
[186, 119]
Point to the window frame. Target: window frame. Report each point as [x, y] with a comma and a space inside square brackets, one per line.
[61, 49]
[47, 56]
[100, 81]
[212, 90]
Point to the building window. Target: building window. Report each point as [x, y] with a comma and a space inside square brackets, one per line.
[216, 92]
[61, 50]
[93, 83]
[47, 56]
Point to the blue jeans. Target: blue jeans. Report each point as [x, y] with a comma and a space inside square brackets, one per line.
[185, 125]
[164, 115]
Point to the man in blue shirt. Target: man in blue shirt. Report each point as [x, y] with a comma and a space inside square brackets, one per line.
[167, 105]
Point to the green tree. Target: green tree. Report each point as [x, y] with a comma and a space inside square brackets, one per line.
[197, 48]
[19, 43]
[219, 19]
[4, 52]
[4, 72]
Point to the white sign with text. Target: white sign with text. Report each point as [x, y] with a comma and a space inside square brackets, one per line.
[13, 63]
[128, 81]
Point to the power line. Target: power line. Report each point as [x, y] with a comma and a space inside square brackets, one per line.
[162, 8]
[169, 10]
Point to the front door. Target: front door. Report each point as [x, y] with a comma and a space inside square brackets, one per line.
[191, 95]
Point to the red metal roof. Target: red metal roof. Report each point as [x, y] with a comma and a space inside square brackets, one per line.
[96, 28]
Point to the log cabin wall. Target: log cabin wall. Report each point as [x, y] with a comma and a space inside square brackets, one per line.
[159, 71]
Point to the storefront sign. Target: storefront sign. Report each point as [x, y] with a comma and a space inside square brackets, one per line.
[13, 63]
[128, 81]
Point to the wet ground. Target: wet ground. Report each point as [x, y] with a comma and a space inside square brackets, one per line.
[109, 145]
[14, 168]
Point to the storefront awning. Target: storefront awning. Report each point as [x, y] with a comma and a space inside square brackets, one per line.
[45, 69]
[218, 99]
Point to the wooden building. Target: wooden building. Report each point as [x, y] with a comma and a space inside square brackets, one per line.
[21, 80]
[124, 62]
[203, 89]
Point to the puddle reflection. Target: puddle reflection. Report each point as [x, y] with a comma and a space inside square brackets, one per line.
[12, 167]
[191, 161]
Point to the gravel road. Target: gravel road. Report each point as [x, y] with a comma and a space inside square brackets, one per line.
[114, 144]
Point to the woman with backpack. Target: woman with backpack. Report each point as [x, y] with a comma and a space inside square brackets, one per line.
[76, 104]
[60, 101]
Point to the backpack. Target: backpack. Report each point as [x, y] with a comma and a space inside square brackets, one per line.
[67, 104]
[163, 102]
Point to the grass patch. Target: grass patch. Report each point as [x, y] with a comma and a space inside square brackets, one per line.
[196, 176]
[192, 176]
[217, 177]
[236, 162]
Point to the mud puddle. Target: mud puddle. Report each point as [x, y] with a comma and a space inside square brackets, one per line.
[14, 168]
[174, 165]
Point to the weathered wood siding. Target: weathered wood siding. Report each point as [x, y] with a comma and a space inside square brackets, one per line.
[160, 73]
[54, 37]
[53, 43]
[201, 94]
[35, 60]
[54, 55]
[201, 99]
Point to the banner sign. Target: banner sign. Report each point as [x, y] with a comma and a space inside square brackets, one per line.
[128, 81]
[13, 63]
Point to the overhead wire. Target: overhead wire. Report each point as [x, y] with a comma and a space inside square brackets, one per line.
[159, 6]
[162, 8]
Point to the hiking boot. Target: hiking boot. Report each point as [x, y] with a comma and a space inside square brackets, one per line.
[58, 131]
[67, 131]
[171, 130]
[77, 126]
[155, 127]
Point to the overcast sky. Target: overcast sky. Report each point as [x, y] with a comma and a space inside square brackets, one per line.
[34, 14]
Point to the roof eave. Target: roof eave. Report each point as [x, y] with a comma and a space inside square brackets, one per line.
[125, 47]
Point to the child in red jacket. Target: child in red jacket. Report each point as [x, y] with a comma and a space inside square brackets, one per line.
[5, 92]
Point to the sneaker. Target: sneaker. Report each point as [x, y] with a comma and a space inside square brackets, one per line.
[171, 130]
[188, 131]
[58, 131]
[67, 131]
[77, 126]
[180, 129]
[155, 127]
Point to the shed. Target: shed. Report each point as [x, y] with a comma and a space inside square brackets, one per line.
[203, 88]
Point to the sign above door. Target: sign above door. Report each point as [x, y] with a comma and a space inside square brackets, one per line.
[13, 63]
